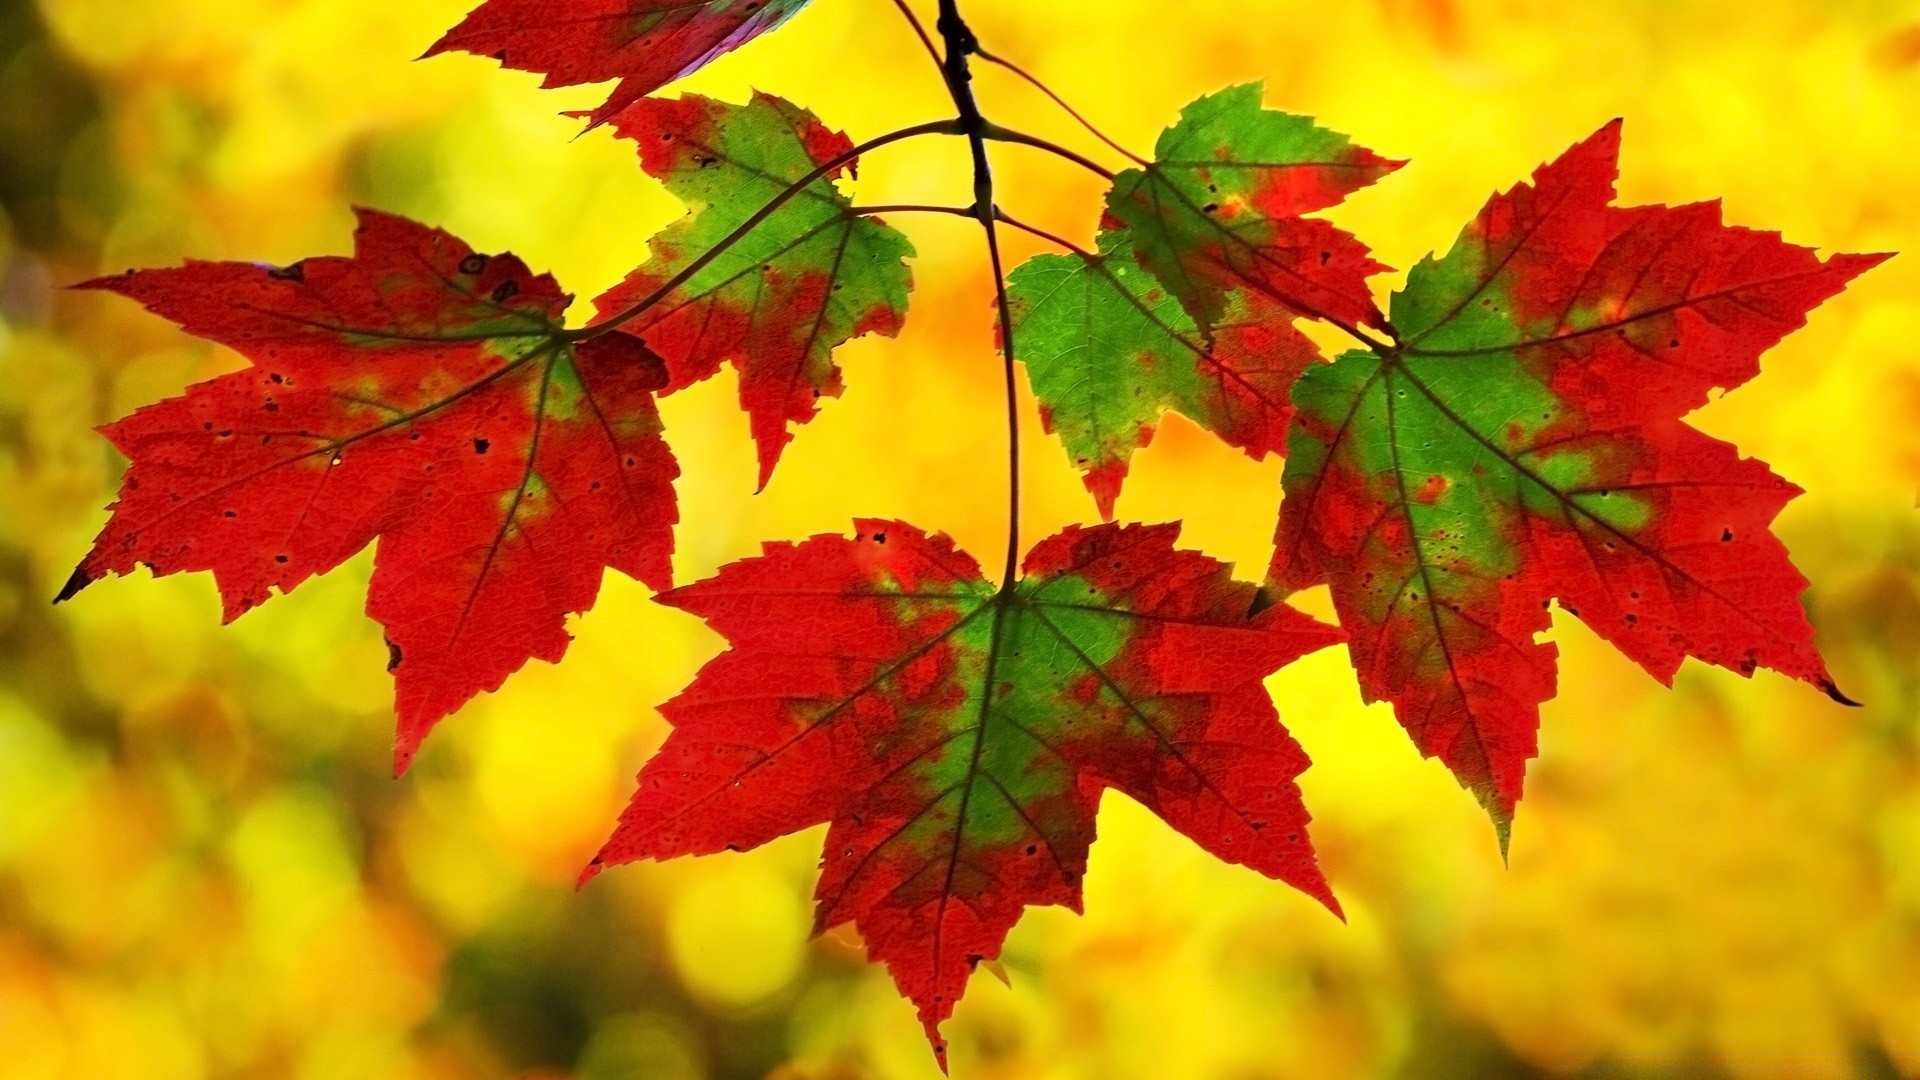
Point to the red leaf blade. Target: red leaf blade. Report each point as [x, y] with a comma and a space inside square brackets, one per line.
[645, 44]
[420, 393]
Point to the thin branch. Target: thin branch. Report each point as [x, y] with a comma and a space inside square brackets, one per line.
[935, 127]
[914, 21]
[1057, 100]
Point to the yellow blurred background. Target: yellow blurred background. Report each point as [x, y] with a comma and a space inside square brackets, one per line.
[206, 872]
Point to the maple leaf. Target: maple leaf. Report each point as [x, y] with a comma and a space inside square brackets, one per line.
[957, 736]
[811, 276]
[1522, 441]
[645, 44]
[1108, 351]
[1219, 210]
[418, 392]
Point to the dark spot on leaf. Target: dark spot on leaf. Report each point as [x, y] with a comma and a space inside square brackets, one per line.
[480, 446]
[281, 558]
[473, 264]
[393, 656]
[296, 272]
[505, 291]
[1726, 536]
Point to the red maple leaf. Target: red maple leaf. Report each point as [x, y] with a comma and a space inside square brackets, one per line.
[645, 44]
[421, 393]
[1522, 441]
[957, 736]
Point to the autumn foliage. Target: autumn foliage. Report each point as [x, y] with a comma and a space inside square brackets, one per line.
[1507, 432]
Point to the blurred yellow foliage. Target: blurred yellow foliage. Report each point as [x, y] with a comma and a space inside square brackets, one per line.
[204, 870]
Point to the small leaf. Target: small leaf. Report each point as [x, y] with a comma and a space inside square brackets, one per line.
[419, 392]
[1524, 443]
[1109, 351]
[957, 736]
[810, 277]
[1219, 210]
[645, 44]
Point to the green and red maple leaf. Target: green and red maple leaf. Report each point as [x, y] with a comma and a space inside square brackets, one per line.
[807, 279]
[1511, 435]
[1521, 441]
[956, 737]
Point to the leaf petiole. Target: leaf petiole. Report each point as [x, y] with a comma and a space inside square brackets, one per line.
[1022, 74]
[997, 133]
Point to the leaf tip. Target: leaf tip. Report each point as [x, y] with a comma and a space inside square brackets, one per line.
[591, 870]
[1601, 147]
[80, 579]
[107, 283]
[1324, 894]
[406, 745]
[1833, 691]
[1103, 482]
[1852, 266]
[769, 459]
